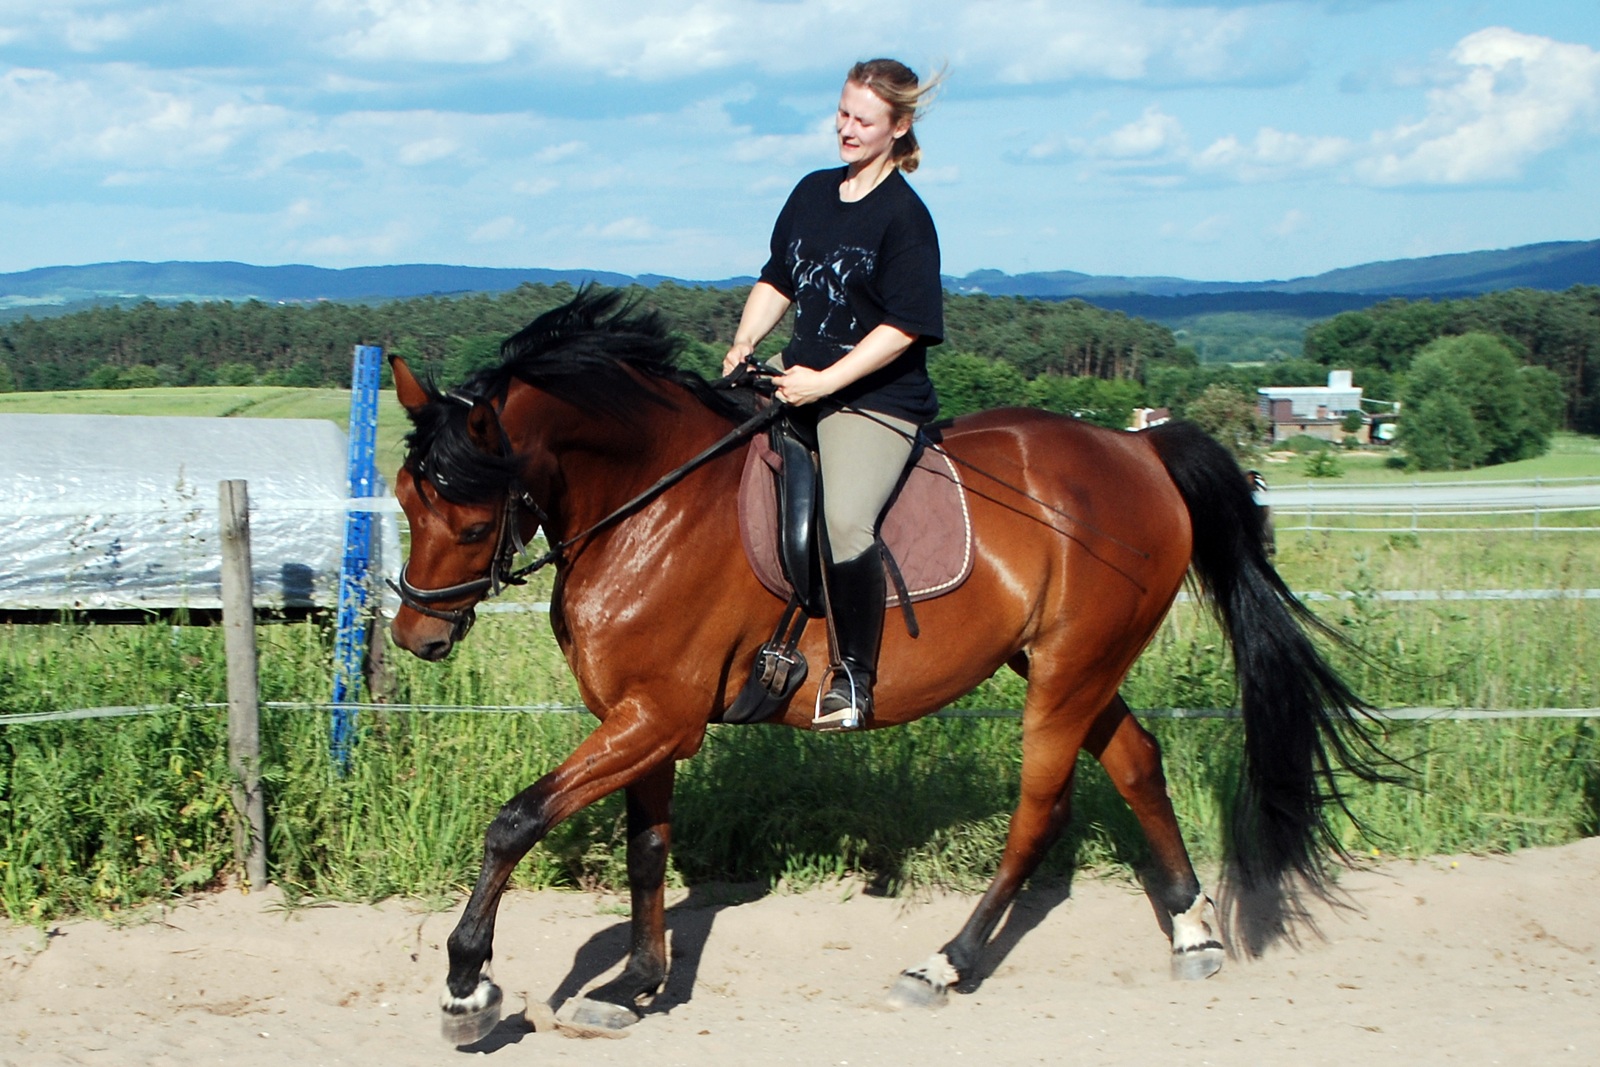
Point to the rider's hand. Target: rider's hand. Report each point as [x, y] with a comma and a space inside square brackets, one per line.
[802, 385]
[738, 352]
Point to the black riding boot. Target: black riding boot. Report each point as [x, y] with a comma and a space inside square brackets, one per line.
[856, 598]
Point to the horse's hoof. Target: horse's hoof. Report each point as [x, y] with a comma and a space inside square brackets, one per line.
[927, 986]
[597, 1014]
[913, 991]
[468, 1021]
[1197, 950]
[1192, 965]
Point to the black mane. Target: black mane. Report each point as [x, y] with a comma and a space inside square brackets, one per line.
[596, 352]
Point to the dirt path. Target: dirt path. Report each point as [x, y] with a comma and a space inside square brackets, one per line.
[1478, 960]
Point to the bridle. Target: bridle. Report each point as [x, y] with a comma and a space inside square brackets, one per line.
[509, 543]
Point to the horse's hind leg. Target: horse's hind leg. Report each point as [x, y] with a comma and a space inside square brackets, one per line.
[1132, 759]
[613, 1005]
[1051, 742]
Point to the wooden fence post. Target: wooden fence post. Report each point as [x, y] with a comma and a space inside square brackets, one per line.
[244, 709]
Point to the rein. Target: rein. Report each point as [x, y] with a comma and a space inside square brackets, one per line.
[509, 543]
[1003, 483]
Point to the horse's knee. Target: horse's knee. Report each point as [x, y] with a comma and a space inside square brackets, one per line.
[514, 831]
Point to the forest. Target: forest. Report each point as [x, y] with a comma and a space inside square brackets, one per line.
[1066, 356]
[1559, 331]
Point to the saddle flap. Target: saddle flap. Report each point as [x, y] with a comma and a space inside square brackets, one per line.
[928, 528]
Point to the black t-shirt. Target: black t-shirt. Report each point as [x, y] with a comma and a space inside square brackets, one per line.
[849, 267]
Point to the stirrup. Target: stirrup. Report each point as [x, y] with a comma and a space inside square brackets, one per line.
[852, 716]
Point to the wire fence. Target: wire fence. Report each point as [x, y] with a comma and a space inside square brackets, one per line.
[132, 710]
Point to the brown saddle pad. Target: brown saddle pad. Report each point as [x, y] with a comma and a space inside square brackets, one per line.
[928, 528]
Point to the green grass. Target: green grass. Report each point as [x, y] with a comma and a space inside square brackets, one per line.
[97, 816]
[1571, 455]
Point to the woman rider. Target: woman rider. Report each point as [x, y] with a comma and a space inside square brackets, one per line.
[855, 252]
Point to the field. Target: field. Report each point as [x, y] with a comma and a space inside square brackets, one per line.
[250, 402]
[1570, 456]
[103, 815]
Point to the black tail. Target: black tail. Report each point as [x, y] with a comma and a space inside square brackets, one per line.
[1303, 725]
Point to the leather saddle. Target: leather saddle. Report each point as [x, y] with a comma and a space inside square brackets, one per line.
[926, 535]
[926, 532]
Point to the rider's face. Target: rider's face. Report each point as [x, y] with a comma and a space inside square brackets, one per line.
[866, 130]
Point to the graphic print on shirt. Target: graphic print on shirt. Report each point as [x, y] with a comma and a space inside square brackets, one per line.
[821, 304]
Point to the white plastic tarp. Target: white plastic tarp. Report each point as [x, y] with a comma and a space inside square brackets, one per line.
[120, 511]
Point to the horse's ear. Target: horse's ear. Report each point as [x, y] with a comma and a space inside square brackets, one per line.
[413, 397]
[483, 428]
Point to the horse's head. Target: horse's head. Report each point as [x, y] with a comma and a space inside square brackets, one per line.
[585, 395]
[458, 490]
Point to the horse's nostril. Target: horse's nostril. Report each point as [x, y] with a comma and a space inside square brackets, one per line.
[434, 651]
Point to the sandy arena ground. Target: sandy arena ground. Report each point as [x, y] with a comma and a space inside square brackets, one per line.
[1475, 960]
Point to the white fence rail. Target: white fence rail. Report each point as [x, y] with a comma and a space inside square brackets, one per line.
[1543, 500]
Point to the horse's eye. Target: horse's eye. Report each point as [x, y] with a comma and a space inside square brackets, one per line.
[473, 534]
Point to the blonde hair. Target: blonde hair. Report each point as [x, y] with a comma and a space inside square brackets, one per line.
[896, 85]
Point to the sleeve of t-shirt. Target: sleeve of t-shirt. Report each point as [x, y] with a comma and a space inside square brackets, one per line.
[907, 278]
[776, 271]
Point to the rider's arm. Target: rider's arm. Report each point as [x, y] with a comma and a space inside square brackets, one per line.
[763, 310]
[879, 348]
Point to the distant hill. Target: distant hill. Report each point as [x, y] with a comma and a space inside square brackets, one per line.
[178, 281]
[1554, 266]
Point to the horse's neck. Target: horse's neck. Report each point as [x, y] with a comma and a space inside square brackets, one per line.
[603, 463]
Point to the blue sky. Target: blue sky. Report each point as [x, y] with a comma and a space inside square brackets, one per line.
[1225, 141]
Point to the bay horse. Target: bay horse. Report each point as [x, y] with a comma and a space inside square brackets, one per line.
[1082, 539]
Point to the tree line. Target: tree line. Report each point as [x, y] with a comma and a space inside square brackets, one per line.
[1559, 331]
[1528, 357]
[253, 342]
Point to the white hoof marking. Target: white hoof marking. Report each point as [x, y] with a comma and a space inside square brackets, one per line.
[1197, 950]
[926, 986]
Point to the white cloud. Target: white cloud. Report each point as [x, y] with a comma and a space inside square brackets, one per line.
[632, 228]
[617, 37]
[126, 117]
[946, 175]
[1115, 40]
[429, 150]
[1119, 40]
[91, 34]
[355, 248]
[535, 186]
[556, 153]
[1293, 221]
[1208, 230]
[501, 229]
[1517, 97]
[787, 149]
[1508, 98]
[1152, 135]
[1272, 155]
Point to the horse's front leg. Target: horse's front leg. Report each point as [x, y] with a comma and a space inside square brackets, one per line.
[614, 1005]
[625, 748]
